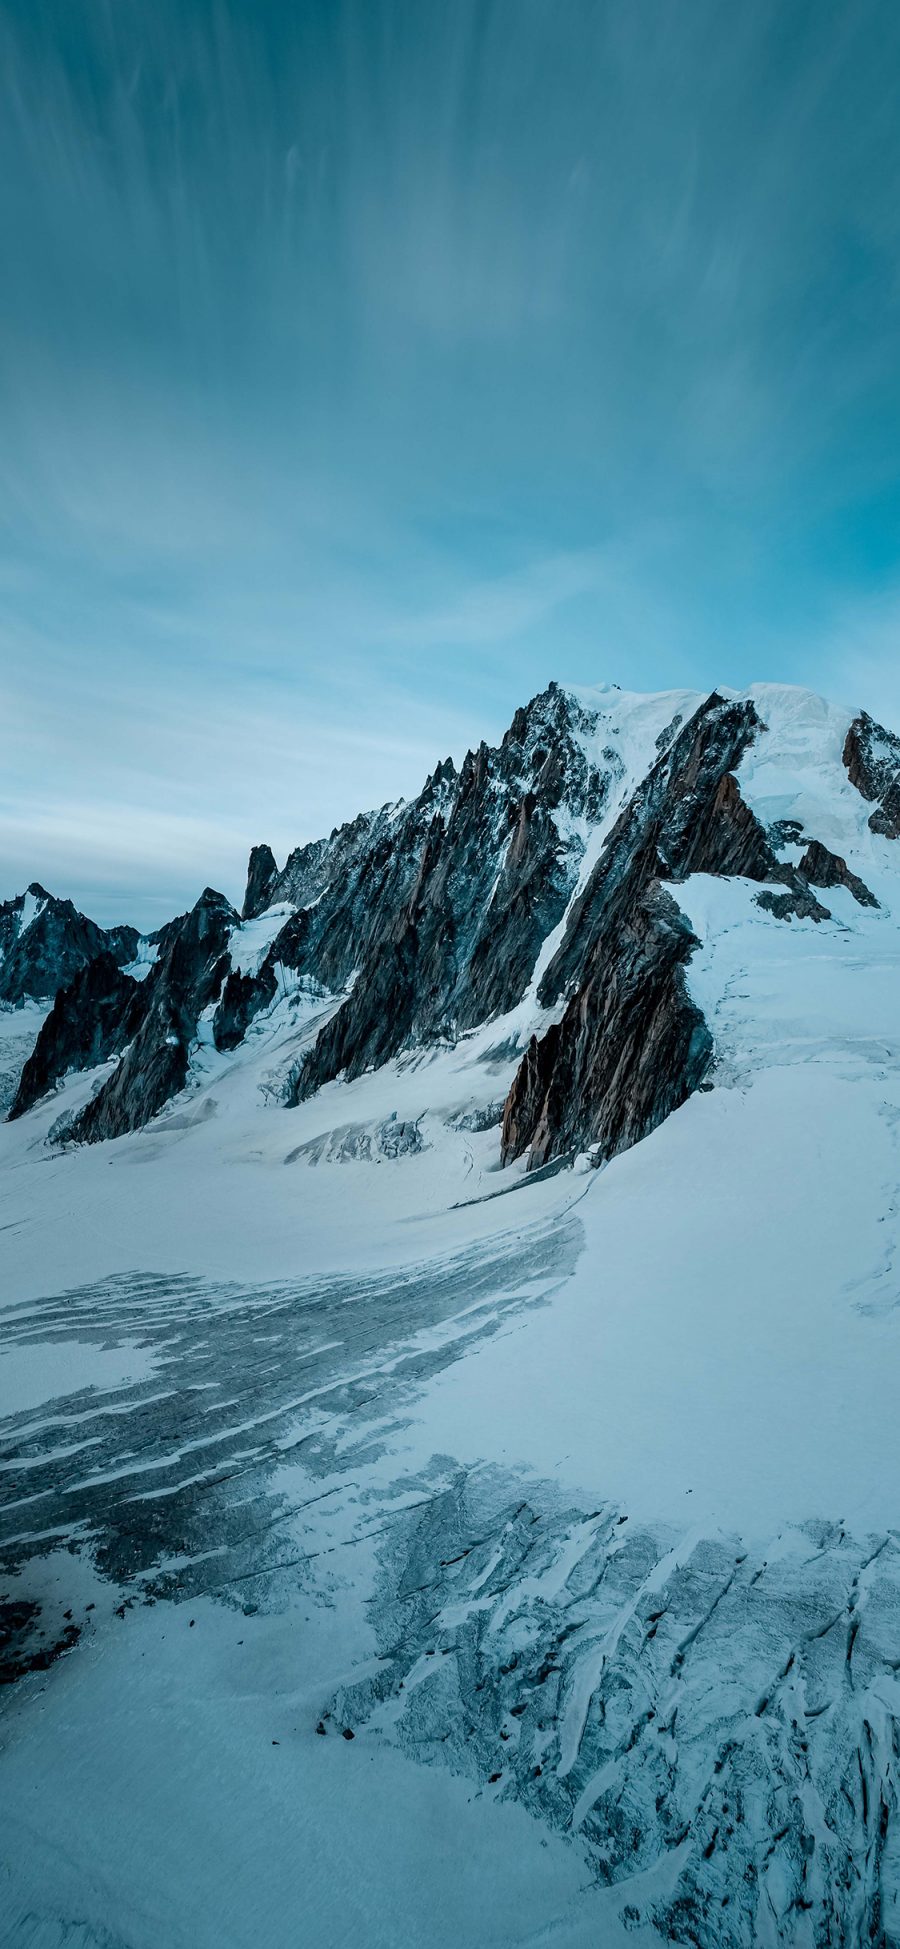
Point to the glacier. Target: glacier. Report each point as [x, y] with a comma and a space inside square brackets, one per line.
[400, 1548]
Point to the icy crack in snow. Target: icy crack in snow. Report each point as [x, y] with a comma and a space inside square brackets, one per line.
[656, 1695]
[714, 1728]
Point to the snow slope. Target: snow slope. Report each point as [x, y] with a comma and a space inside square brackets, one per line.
[573, 1499]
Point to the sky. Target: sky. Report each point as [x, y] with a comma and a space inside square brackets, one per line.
[364, 364]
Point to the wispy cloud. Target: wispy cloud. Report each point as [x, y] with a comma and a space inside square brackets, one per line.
[364, 365]
[855, 654]
[503, 608]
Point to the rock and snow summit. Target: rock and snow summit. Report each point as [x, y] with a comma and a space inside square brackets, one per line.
[570, 1493]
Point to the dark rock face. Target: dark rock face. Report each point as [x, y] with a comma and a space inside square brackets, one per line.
[43, 955]
[242, 998]
[122, 943]
[373, 1024]
[186, 978]
[311, 869]
[45, 942]
[686, 816]
[437, 909]
[629, 1049]
[631, 1045]
[433, 915]
[794, 905]
[262, 874]
[823, 868]
[86, 1025]
[442, 908]
[872, 758]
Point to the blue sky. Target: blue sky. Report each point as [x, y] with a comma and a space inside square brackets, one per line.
[366, 363]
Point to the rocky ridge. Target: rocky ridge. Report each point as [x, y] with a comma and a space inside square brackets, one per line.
[676, 1650]
[86, 1025]
[537, 874]
[631, 1045]
[159, 1023]
[46, 942]
[434, 910]
[872, 758]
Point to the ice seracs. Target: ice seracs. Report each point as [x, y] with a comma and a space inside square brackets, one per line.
[572, 1495]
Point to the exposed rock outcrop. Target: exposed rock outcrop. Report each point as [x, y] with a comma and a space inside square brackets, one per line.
[434, 910]
[310, 869]
[686, 816]
[87, 1024]
[872, 758]
[631, 1045]
[123, 942]
[262, 874]
[629, 1049]
[243, 996]
[425, 919]
[822, 868]
[45, 942]
[184, 981]
[432, 913]
[444, 906]
[798, 904]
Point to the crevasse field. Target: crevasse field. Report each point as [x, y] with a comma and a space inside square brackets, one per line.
[437, 1555]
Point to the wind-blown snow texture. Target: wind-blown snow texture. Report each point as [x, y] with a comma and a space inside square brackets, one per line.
[576, 1507]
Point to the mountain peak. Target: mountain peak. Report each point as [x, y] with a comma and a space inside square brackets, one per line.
[535, 884]
[45, 942]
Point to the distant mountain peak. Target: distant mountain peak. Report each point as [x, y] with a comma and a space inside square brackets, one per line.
[45, 942]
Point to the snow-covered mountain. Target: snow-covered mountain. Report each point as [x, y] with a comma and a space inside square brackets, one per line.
[533, 888]
[45, 942]
[570, 1493]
